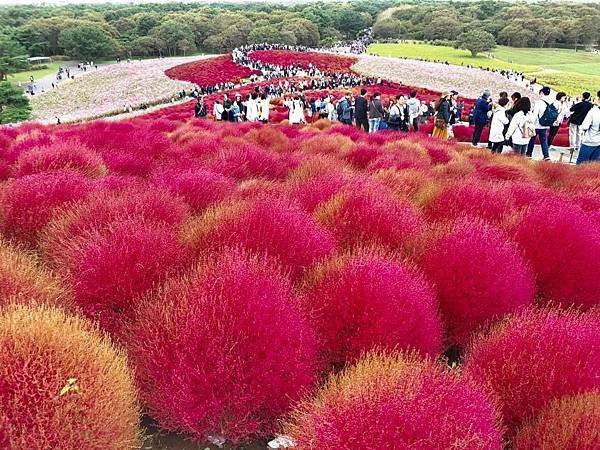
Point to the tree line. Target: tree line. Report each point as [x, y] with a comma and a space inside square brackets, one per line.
[521, 24]
[98, 31]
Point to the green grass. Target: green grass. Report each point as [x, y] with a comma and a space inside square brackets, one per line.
[564, 70]
[21, 77]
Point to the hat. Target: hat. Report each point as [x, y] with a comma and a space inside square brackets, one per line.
[486, 93]
[545, 90]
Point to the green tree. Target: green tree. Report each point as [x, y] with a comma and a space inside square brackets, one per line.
[350, 23]
[14, 106]
[87, 42]
[13, 57]
[476, 41]
[271, 35]
[386, 28]
[143, 46]
[169, 34]
[306, 32]
[443, 26]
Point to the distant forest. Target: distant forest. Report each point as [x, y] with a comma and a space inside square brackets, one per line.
[109, 30]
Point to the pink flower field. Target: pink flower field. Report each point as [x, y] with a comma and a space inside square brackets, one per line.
[240, 282]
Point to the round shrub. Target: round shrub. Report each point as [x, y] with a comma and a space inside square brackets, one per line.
[535, 357]
[571, 422]
[365, 301]
[200, 188]
[108, 268]
[562, 244]
[474, 198]
[264, 225]
[24, 280]
[396, 401]
[369, 213]
[28, 203]
[479, 276]
[242, 160]
[151, 205]
[225, 350]
[69, 155]
[63, 385]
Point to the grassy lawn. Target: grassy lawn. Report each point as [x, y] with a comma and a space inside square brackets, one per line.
[51, 69]
[566, 70]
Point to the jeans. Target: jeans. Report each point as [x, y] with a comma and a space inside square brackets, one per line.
[477, 133]
[346, 121]
[588, 153]
[497, 147]
[542, 134]
[519, 149]
[374, 124]
[415, 124]
[363, 123]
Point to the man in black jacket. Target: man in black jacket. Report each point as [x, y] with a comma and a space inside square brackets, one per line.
[578, 113]
[360, 111]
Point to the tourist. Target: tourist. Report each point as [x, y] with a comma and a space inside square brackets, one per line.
[227, 113]
[442, 117]
[218, 110]
[376, 112]
[252, 108]
[200, 109]
[344, 109]
[578, 113]
[561, 105]
[521, 127]
[331, 112]
[590, 141]
[239, 109]
[424, 112]
[480, 115]
[543, 118]
[264, 109]
[414, 110]
[499, 120]
[295, 110]
[398, 114]
[361, 110]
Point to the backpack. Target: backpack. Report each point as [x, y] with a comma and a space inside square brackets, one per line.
[528, 130]
[550, 115]
[339, 109]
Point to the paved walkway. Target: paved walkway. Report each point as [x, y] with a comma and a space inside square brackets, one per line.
[45, 83]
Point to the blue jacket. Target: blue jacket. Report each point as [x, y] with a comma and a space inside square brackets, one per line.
[482, 107]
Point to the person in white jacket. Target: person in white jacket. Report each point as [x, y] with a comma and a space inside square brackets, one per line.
[252, 108]
[541, 131]
[517, 130]
[264, 109]
[590, 142]
[499, 119]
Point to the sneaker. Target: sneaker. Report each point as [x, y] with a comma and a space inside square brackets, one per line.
[547, 159]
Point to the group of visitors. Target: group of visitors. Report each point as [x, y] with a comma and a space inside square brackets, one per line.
[520, 123]
[255, 107]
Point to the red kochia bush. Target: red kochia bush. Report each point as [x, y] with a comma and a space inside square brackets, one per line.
[224, 351]
[323, 61]
[479, 275]
[571, 422]
[108, 267]
[365, 213]
[471, 197]
[200, 188]
[62, 385]
[28, 203]
[535, 357]
[152, 205]
[365, 301]
[264, 225]
[69, 155]
[211, 71]
[24, 280]
[396, 402]
[563, 245]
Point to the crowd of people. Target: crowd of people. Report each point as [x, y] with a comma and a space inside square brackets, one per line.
[519, 123]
